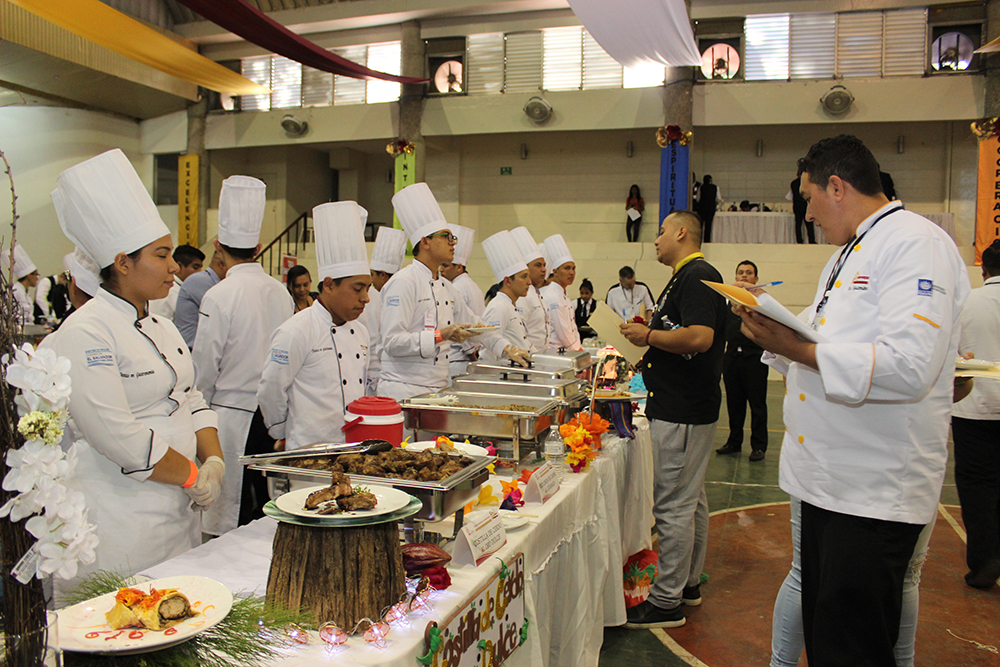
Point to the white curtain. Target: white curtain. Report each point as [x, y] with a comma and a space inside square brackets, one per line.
[637, 32]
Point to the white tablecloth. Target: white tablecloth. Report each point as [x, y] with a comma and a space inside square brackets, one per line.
[772, 227]
[574, 551]
[945, 221]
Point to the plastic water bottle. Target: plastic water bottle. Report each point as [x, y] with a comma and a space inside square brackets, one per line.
[555, 452]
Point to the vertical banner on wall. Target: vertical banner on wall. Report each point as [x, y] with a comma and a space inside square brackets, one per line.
[406, 170]
[673, 179]
[187, 200]
[987, 196]
[287, 262]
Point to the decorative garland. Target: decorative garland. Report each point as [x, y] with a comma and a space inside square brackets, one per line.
[984, 128]
[671, 133]
[400, 146]
[253, 634]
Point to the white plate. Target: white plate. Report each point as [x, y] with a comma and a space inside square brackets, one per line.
[975, 364]
[632, 396]
[471, 450]
[512, 520]
[389, 500]
[479, 330]
[84, 628]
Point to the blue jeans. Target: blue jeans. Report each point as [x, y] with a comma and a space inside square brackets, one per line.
[787, 639]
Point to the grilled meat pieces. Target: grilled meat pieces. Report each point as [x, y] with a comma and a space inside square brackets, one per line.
[340, 486]
[358, 501]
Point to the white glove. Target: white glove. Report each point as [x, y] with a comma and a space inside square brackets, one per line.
[517, 355]
[207, 488]
[457, 333]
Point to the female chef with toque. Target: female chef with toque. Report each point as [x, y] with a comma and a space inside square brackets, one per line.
[140, 424]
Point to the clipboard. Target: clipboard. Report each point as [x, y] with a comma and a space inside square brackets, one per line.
[607, 323]
[767, 305]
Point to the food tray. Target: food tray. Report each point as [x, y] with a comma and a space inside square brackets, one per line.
[524, 385]
[439, 499]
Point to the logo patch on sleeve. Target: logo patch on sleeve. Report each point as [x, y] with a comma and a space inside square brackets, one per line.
[392, 301]
[100, 356]
[279, 356]
[925, 287]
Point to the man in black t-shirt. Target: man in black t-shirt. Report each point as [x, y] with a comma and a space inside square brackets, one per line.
[682, 368]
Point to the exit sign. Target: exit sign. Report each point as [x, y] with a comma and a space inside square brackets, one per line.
[506, 171]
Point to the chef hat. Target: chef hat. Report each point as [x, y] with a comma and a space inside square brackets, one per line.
[105, 209]
[526, 244]
[67, 261]
[545, 255]
[557, 251]
[390, 246]
[463, 246]
[241, 211]
[85, 272]
[418, 211]
[340, 240]
[23, 265]
[504, 257]
[363, 212]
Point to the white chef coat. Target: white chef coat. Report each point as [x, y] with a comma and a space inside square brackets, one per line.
[536, 318]
[371, 317]
[24, 301]
[469, 291]
[867, 434]
[980, 334]
[167, 306]
[313, 370]
[562, 317]
[627, 302]
[414, 305]
[236, 320]
[134, 396]
[42, 290]
[500, 312]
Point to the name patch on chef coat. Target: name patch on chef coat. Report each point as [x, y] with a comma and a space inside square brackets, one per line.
[925, 287]
[392, 301]
[279, 356]
[860, 283]
[100, 356]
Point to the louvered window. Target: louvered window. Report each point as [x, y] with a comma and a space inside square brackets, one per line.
[562, 59]
[257, 70]
[317, 88]
[286, 83]
[859, 44]
[599, 69]
[905, 42]
[767, 47]
[484, 64]
[813, 39]
[383, 58]
[523, 62]
[348, 90]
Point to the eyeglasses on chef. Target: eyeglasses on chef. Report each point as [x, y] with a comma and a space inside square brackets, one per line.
[451, 238]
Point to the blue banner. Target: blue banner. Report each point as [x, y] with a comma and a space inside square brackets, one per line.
[674, 175]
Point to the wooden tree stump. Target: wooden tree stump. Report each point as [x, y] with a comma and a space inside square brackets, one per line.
[339, 574]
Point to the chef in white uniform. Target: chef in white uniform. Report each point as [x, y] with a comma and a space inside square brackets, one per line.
[25, 278]
[139, 423]
[511, 340]
[467, 289]
[318, 359]
[387, 259]
[422, 313]
[236, 320]
[530, 306]
[561, 312]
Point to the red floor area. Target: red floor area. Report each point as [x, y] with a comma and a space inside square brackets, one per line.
[749, 555]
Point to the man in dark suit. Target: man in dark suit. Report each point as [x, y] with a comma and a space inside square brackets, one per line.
[707, 199]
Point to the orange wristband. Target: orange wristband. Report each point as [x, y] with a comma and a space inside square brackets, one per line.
[437, 336]
[193, 477]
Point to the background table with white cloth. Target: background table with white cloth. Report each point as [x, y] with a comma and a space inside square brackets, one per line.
[776, 227]
[574, 548]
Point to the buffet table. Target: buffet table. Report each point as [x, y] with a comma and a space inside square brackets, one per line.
[574, 548]
[774, 227]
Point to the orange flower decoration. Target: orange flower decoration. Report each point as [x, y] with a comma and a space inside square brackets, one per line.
[508, 487]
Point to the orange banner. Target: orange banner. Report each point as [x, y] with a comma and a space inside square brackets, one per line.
[987, 196]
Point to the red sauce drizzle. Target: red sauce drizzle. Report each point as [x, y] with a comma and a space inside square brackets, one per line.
[170, 631]
[92, 635]
[115, 636]
[136, 634]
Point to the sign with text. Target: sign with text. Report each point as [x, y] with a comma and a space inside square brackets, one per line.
[482, 535]
[406, 174]
[987, 196]
[487, 630]
[674, 175]
[542, 484]
[287, 262]
[187, 200]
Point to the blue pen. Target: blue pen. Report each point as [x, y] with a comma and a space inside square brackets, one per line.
[770, 284]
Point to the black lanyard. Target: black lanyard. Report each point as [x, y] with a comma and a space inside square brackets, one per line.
[844, 255]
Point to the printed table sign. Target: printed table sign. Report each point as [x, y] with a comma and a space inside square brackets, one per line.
[542, 485]
[481, 536]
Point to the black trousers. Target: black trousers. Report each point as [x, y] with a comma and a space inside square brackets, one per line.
[706, 224]
[977, 476]
[799, 223]
[254, 495]
[852, 587]
[745, 378]
[632, 229]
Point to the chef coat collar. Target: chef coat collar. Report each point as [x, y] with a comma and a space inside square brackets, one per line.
[992, 281]
[248, 267]
[424, 269]
[501, 294]
[121, 304]
[877, 215]
[326, 317]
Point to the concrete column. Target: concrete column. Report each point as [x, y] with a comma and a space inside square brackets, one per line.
[991, 60]
[411, 99]
[678, 105]
[197, 113]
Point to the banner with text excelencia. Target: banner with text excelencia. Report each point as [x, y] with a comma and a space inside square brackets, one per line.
[673, 179]
[987, 196]
[187, 200]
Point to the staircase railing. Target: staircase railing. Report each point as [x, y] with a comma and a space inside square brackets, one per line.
[289, 242]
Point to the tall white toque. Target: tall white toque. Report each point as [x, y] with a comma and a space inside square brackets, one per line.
[463, 246]
[23, 265]
[85, 272]
[503, 255]
[340, 240]
[105, 208]
[545, 255]
[418, 212]
[557, 251]
[390, 247]
[241, 211]
[526, 244]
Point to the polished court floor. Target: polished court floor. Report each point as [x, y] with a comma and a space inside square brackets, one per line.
[749, 553]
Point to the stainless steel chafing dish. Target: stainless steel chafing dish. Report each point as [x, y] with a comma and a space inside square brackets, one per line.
[486, 415]
[519, 385]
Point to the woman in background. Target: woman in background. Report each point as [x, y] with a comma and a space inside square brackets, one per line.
[585, 306]
[634, 201]
[299, 281]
